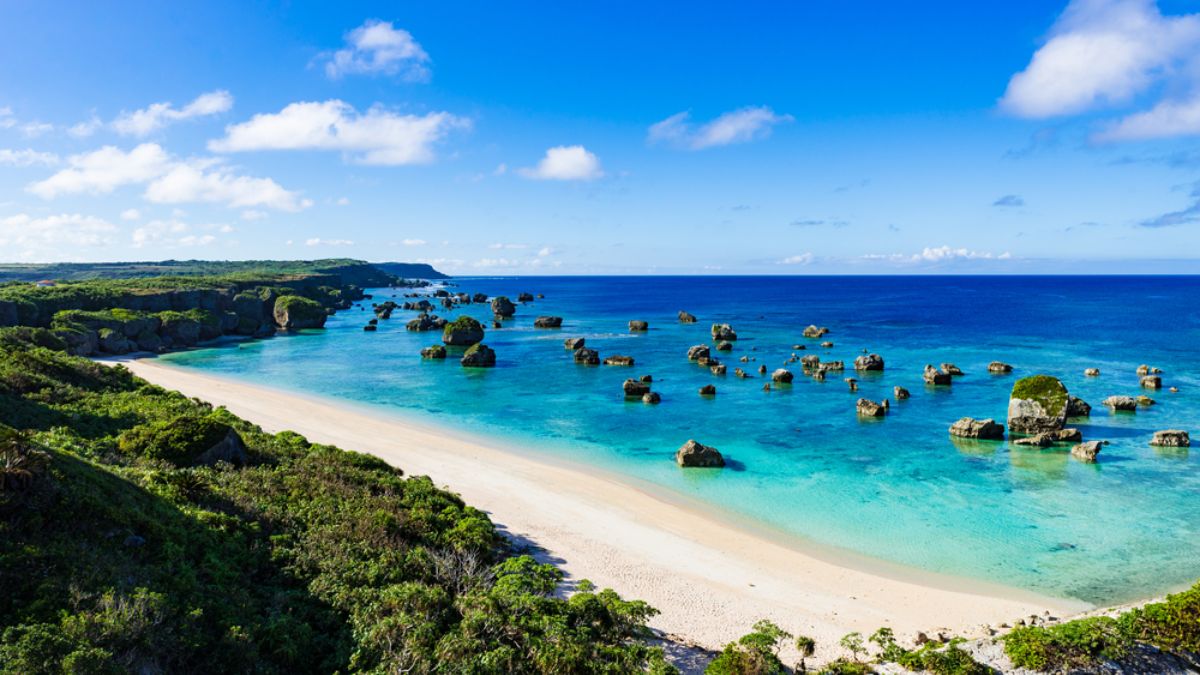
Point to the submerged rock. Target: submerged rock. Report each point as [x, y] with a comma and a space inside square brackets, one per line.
[999, 368]
[698, 455]
[782, 376]
[1171, 438]
[1091, 372]
[1037, 404]
[1087, 451]
[868, 408]
[986, 429]
[1125, 403]
[900, 393]
[651, 397]
[868, 362]
[724, 346]
[1049, 438]
[1145, 401]
[525, 297]
[479, 356]
[687, 317]
[717, 368]
[548, 322]
[723, 331]
[708, 390]
[638, 326]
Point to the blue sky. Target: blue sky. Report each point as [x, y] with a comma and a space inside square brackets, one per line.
[783, 138]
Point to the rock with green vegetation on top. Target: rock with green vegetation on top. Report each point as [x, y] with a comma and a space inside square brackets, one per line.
[463, 331]
[293, 312]
[433, 352]
[1037, 404]
[478, 356]
[185, 441]
[723, 331]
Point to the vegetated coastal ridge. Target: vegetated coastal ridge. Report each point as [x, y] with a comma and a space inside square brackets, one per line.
[114, 489]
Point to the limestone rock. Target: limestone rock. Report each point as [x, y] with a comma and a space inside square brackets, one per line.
[868, 408]
[463, 331]
[934, 376]
[1037, 404]
[868, 362]
[587, 356]
[1091, 372]
[1086, 451]
[697, 352]
[698, 455]
[723, 331]
[434, 352]
[548, 322]
[969, 427]
[724, 346]
[951, 369]
[781, 376]
[708, 390]
[635, 388]
[1151, 381]
[479, 356]
[815, 331]
[638, 326]
[900, 393]
[573, 343]
[999, 368]
[1171, 438]
[687, 317]
[502, 307]
[651, 397]
[1077, 407]
[618, 360]
[1126, 403]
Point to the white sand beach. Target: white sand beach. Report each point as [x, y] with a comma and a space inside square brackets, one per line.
[708, 576]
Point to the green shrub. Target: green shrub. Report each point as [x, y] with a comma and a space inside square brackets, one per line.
[179, 441]
[756, 652]
[1081, 643]
[1173, 624]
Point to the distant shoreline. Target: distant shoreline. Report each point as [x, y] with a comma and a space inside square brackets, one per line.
[710, 575]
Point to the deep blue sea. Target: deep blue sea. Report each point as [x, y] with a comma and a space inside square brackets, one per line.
[896, 488]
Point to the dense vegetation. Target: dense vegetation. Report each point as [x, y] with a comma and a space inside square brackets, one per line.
[1172, 625]
[202, 268]
[124, 546]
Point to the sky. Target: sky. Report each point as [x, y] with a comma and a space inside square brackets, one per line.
[607, 138]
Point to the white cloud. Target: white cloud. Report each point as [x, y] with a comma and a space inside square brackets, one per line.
[168, 180]
[1167, 119]
[29, 236]
[1101, 52]
[7, 120]
[736, 126]
[175, 233]
[935, 254]
[546, 251]
[414, 242]
[375, 137]
[499, 245]
[317, 241]
[488, 263]
[158, 115]
[85, 129]
[253, 214]
[131, 214]
[343, 201]
[186, 183]
[378, 47]
[27, 158]
[802, 259]
[102, 171]
[565, 162]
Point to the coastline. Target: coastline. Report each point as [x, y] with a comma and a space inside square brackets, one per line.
[710, 575]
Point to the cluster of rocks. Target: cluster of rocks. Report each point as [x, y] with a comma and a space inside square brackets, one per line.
[937, 377]
[424, 322]
[640, 388]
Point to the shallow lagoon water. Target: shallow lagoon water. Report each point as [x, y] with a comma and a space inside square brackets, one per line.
[898, 488]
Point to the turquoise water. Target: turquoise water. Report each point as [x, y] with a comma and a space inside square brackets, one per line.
[801, 460]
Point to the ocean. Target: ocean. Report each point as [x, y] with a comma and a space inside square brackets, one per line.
[802, 463]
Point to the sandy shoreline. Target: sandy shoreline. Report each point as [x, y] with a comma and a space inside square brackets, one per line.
[709, 578]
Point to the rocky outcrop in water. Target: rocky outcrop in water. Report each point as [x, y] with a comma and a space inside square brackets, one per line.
[463, 331]
[1171, 438]
[723, 331]
[548, 322]
[985, 429]
[638, 326]
[698, 455]
[651, 397]
[1037, 404]
[724, 346]
[1077, 407]
[1087, 451]
[999, 368]
[936, 377]
[479, 356]
[868, 408]
[587, 356]
[687, 317]
[952, 370]
[697, 352]
[525, 297]
[433, 352]
[635, 388]
[1150, 381]
[502, 307]
[900, 393]
[868, 362]
[1123, 403]
[1148, 370]
[708, 390]
[782, 376]
[293, 312]
[1091, 372]
[815, 331]
[574, 343]
[618, 360]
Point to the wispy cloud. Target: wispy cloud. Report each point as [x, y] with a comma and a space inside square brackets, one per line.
[819, 222]
[317, 241]
[737, 126]
[1009, 201]
[378, 47]
[1185, 216]
[801, 259]
[27, 158]
[28, 236]
[936, 254]
[376, 137]
[156, 116]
